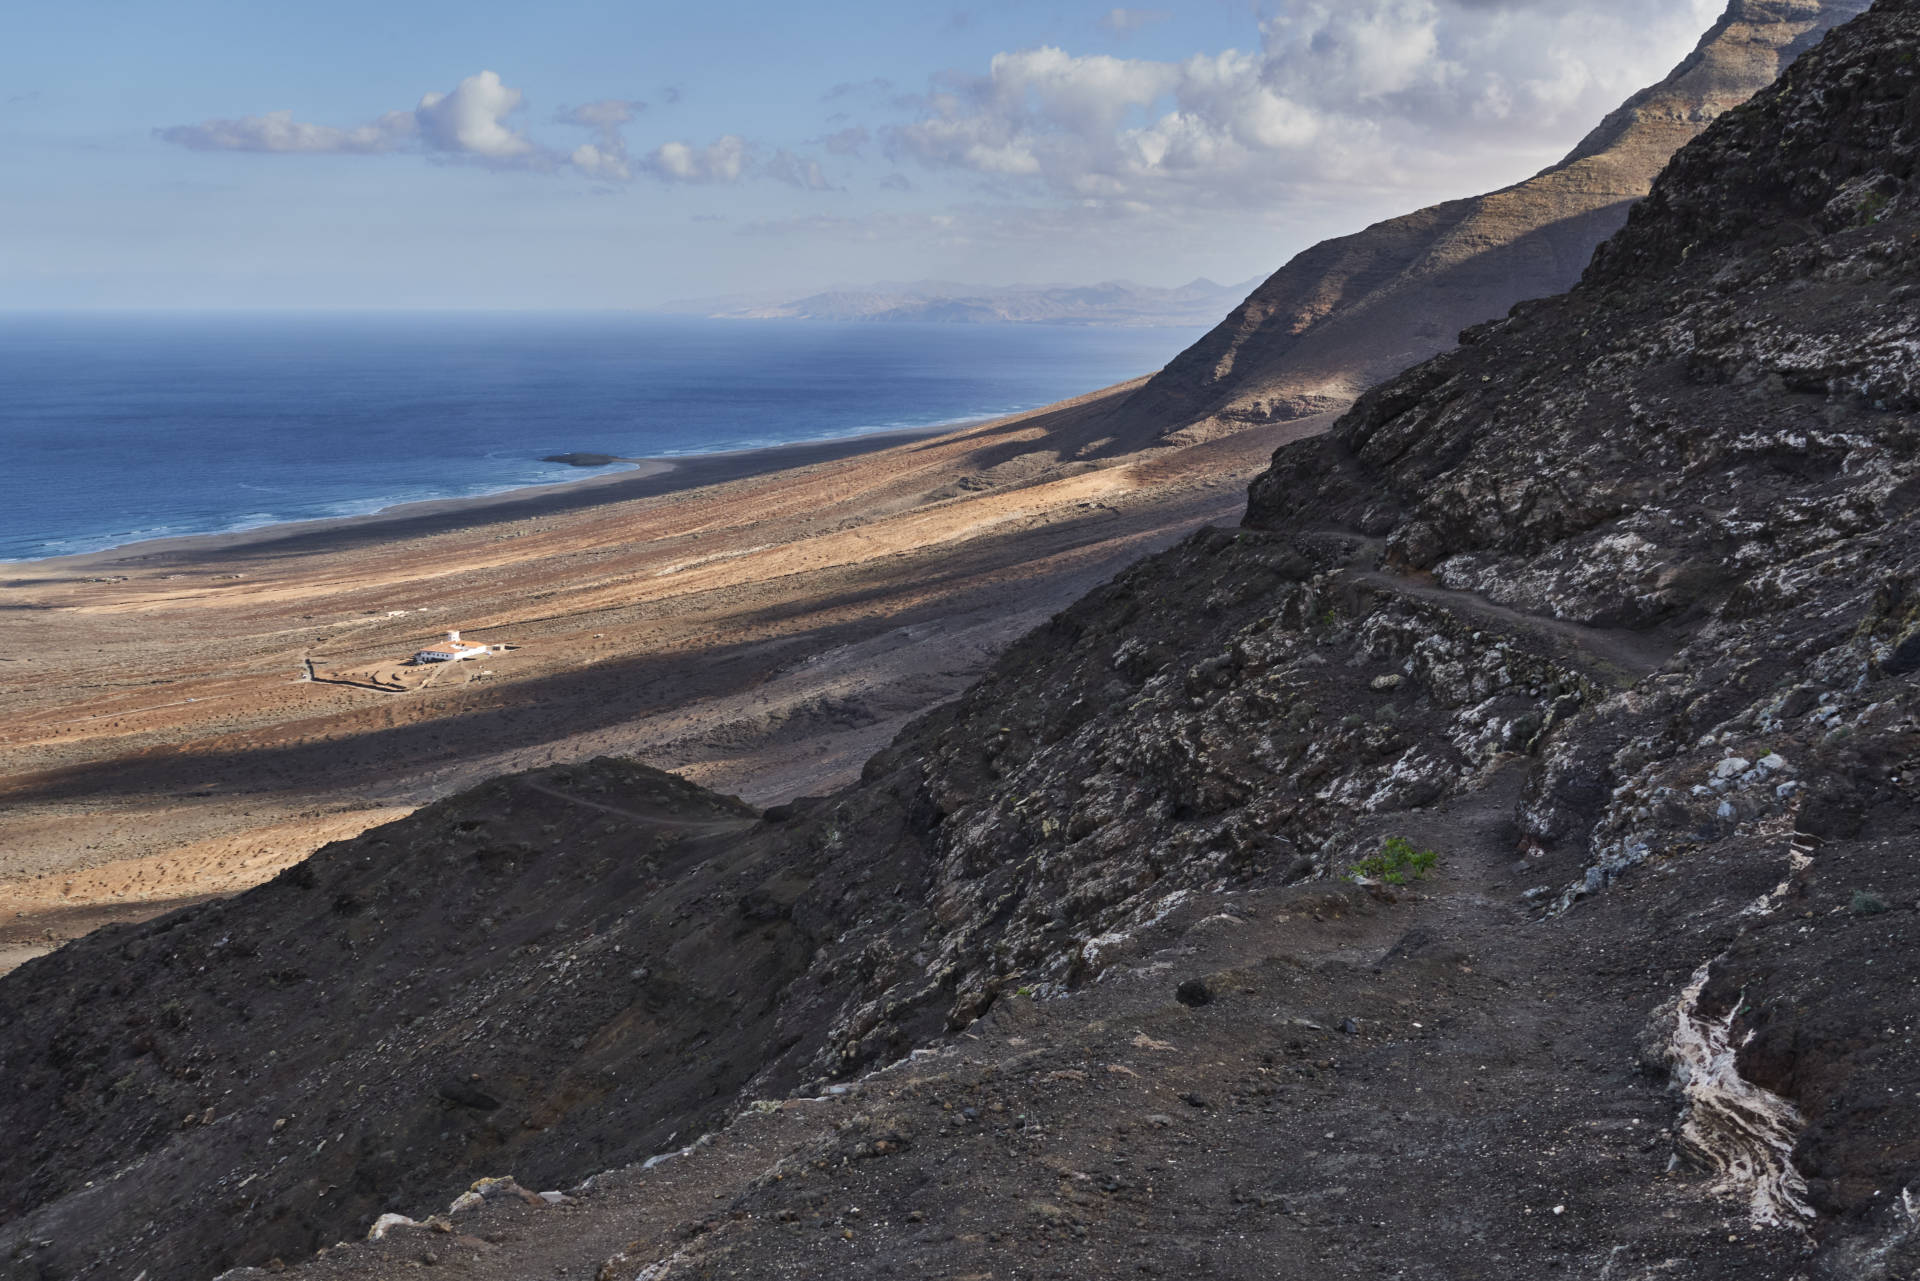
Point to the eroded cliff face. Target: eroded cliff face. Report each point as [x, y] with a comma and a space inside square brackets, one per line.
[1350, 312]
[1615, 608]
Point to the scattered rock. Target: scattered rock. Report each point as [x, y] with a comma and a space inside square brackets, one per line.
[1194, 993]
[387, 1224]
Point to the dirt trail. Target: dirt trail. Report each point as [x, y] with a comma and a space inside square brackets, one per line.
[1626, 655]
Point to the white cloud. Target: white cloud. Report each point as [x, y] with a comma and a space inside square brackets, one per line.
[596, 162]
[467, 121]
[1124, 22]
[606, 114]
[722, 160]
[279, 131]
[606, 156]
[796, 171]
[1342, 53]
[727, 159]
[1385, 94]
[850, 141]
[470, 122]
[1039, 113]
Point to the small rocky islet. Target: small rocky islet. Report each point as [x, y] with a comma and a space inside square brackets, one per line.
[587, 460]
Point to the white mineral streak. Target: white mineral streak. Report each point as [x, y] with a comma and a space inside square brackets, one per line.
[1798, 861]
[1745, 1133]
[658, 1271]
[1094, 949]
[386, 1223]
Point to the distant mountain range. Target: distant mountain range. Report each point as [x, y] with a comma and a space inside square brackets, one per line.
[1115, 302]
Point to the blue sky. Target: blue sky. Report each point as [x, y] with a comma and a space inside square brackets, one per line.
[199, 154]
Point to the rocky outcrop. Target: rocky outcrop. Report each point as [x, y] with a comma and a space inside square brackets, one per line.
[1613, 611]
[1348, 313]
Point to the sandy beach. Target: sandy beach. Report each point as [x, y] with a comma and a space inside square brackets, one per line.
[760, 622]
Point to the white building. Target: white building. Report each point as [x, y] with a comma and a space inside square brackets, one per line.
[450, 650]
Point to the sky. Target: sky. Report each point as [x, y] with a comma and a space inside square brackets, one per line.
[201, 154]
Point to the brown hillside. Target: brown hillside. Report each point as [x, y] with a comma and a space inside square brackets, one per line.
[1350, 312]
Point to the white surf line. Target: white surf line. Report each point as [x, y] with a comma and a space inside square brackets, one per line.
[1743, 1131]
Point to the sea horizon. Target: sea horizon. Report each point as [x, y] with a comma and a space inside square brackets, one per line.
[123, 427]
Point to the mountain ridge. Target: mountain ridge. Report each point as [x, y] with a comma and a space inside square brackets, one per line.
[1350, 312]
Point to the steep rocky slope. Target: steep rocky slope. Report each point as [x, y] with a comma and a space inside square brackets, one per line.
[1614, 609]
[1350, 312]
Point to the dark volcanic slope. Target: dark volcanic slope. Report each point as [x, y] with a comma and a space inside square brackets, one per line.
[1350, 312]
[1616, 609]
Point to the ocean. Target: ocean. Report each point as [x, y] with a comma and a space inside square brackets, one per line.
[118, 428]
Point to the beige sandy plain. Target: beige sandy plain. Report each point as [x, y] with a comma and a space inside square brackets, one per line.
[760, 622]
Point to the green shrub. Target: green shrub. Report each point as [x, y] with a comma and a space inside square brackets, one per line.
[1867, 903]
[1396, 862]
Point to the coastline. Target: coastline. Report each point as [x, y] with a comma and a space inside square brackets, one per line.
[644, 478]
[761, 621]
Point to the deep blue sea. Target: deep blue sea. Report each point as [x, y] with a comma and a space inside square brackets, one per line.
[126, 427]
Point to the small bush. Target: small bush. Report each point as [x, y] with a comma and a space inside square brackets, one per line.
[1396, 862]
[1867, 903]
